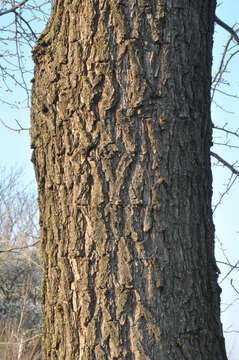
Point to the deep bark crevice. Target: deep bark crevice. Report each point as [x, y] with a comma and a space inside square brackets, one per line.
[121, 133]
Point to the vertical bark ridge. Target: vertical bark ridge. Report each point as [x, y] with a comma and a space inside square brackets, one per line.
[121, 134]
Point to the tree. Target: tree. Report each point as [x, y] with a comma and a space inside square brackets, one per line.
[20, 271]
[121, 133]
[20, 24]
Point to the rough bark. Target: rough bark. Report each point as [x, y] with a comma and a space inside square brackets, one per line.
[121, 133]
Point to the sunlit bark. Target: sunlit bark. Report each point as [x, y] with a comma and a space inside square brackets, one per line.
[121, 133]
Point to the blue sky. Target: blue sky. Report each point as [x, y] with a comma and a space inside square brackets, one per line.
[15, 151]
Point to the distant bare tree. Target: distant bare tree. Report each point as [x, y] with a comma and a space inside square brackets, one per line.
[21, 23]
[20, 270]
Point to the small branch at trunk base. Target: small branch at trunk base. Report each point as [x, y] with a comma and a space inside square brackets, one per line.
[225, 163]
[227, 28]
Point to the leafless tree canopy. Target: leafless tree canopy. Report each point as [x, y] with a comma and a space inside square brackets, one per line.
[20, 270]
[21, 23]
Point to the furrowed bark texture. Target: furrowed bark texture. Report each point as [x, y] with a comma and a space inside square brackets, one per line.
[121, 133]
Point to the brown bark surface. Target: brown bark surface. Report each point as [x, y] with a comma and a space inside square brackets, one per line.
[121, 133]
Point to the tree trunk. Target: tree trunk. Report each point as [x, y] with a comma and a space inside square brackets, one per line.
[121, 133]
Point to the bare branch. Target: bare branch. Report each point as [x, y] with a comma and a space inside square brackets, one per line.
[234, 287]
[227, 28]
[221, 107]
[228, 264]
[223, 66]
[223, 250]
[20, 247]
[229, 272]
[13, 8]
[225, 163]
[19, 60]
[229, 305]
[27, 24]
[225, 93]
[226, 144]
[226, 130]
[13, 129]
[231, 182]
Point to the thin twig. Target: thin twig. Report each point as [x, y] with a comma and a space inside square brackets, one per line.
[13, 8]
[229, 305]
[225, 93]
[222, 66]
[13, 129]
[226, 144]
[228, 188]
[234, 287]
[235, 133]
[228, 264]
[229, 272]
[27, 23]
[20, 247]
[17, 45]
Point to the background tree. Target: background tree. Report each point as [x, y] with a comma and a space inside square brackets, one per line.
[20, 23]
[20, 271]
[121, 133]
